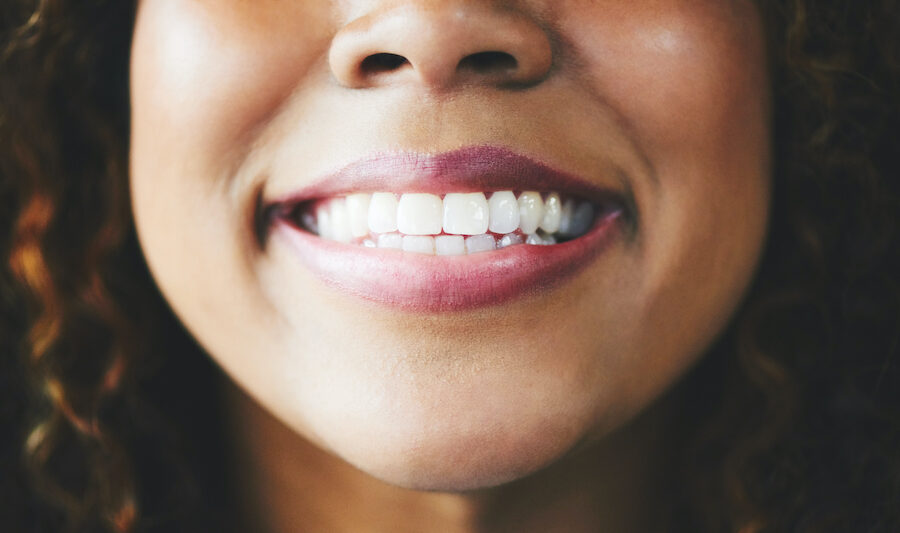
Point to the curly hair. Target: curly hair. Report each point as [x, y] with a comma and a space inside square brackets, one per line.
[804, 434]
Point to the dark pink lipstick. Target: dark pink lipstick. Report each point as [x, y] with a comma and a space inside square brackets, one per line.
[471, 169]
[422, 283]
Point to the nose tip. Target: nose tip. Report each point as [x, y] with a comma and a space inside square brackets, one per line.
[440, 47]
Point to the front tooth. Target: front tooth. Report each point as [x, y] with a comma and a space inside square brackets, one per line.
[552, 213]
[340, 221]
[531, 211]
[565, 218]
[358, 212]
[450, 245]
[480, 243]
[323, 221]
[420, 244]
[509, 240]
[465, 213]
[419, 214]
[582, 219]
[504, 212]
[390, 240]
[383, 213]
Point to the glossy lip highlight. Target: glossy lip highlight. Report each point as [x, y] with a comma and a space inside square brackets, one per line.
[419, 283]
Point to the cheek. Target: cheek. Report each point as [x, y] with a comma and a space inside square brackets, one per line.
[688, 80]
[208, 74]
[204, 76]
[681, 73]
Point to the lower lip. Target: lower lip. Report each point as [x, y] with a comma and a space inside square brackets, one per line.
[423, 283]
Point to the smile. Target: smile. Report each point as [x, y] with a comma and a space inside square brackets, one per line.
[448, 232]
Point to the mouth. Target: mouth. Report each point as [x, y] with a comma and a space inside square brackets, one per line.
[454, 231]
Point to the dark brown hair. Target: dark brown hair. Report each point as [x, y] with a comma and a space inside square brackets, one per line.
[792, 422]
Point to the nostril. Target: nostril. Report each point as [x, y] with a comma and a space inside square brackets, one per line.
[382, 62]
[488, 63]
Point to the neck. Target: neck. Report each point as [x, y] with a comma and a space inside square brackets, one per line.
[287, 484]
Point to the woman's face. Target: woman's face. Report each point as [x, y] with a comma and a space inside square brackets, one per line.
[440, 371]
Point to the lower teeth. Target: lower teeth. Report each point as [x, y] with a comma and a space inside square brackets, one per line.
[447, 245]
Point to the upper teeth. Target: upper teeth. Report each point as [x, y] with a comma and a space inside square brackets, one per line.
[410, 221]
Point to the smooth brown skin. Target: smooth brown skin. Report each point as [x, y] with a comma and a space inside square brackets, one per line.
[233, 97]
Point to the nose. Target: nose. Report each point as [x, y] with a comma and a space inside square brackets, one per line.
[440, 45]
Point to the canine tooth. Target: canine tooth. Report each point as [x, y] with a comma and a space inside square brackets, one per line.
[531, 211]
[450, 245]
[383, 213]
[552, 212]
[480, 243]
[421, 244]
[504, 212]
[509, 240]
[419, 214]
[390, 240]
[582, 219]
[465, 213]
[369, 243]
[340, 221]
[323, 221]
[565, 218]
[549, 239]
[358, 213]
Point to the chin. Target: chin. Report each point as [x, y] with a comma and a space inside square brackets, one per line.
[459, 463]
[453, 447]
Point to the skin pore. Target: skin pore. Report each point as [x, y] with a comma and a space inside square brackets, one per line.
[527, 411]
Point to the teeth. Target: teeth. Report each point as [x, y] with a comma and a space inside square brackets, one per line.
[565, 217]
[540, 240]
[504, 212]
[576, 219]
[311, 222]
[531, 212]
[419, 214]
[358, 212]
[480, 243]
[509, 240]
[420, 244]
[323, 221]
[582, 219]
[465, 214]
[383, 213]
[390, 240]
[552, 213]
[450, 245]
[340, 221]
[458, 224]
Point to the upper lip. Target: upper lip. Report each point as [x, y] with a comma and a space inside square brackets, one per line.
[469, 169]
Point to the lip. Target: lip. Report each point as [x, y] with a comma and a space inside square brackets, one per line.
[470, 169]
[421, 283]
